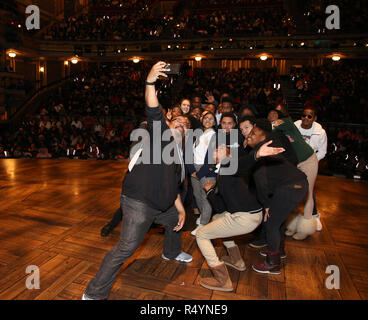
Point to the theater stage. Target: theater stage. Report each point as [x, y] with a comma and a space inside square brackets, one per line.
[52, 211]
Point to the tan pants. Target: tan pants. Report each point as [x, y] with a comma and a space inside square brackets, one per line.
[310, 168]
[222, 226]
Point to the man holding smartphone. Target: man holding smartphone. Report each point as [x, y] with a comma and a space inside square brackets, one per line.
[146, 198]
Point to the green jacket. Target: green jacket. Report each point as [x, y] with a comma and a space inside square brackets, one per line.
[302, 149]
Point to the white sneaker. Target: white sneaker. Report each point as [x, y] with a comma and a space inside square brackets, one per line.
[84, 297]
[194, 232]
[198, 221]
[319, 224]
[182, 257]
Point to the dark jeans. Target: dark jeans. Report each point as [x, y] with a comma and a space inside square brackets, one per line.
[137, 219]
[315, 212]
[118, 215]
[283, 202]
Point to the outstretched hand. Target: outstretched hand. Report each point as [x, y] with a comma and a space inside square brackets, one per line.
[265, 150]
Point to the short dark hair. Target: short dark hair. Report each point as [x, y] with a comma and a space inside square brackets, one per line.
[264, 125]
[227, 99]
[284, 110]
[229, 115]
[251, 119]
[314, 109]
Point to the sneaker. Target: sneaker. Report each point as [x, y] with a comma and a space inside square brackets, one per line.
[319, 224]
[257, 244]
[194, 232]
[182, 257]
[85, 297]
[198, 221]
[106, 230]
[264, 253]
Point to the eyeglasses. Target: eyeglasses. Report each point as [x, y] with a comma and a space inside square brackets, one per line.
[184, 123]
[307, 116]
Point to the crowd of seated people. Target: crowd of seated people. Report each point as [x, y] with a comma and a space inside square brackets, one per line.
[90, 117]
[95, 112]
[134, 4]
[337, 90]
[98, 109]
[268, 22]
[209, 4]
[139, 25]
[207, 19]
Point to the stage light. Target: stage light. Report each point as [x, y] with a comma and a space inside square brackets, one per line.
[302, 44]
[66, 63]
[198, 58]
[136, 60]
[42, 69]
[19, 26]
[74, 61]
[12, 54]
[336, 58]
[263, 57]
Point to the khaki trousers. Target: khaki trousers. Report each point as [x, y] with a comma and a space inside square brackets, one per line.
[310, 168]
[222, 226]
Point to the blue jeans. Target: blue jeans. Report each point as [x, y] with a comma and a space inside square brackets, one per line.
[137, 219]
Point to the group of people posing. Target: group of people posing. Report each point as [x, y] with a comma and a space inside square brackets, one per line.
[275, 170]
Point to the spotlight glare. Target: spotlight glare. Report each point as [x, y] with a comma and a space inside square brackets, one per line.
[136, 60]
[336, 58]
[198, 58]
[263, 57]
[12, 54]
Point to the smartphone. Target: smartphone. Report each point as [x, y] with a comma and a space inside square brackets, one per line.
[174, 68]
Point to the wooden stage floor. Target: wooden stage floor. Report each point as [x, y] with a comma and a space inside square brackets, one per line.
[52, 211]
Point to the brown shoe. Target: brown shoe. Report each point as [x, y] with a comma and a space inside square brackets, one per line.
[234, 259]
[221, 280]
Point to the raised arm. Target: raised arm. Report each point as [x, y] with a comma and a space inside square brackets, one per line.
[150, 94]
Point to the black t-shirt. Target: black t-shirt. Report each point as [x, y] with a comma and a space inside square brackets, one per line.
[157, 185]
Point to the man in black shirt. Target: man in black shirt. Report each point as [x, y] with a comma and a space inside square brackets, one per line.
[280, 188]
[150, 192]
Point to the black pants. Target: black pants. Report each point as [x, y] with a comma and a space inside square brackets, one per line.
[137, 220]
[283, 202]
